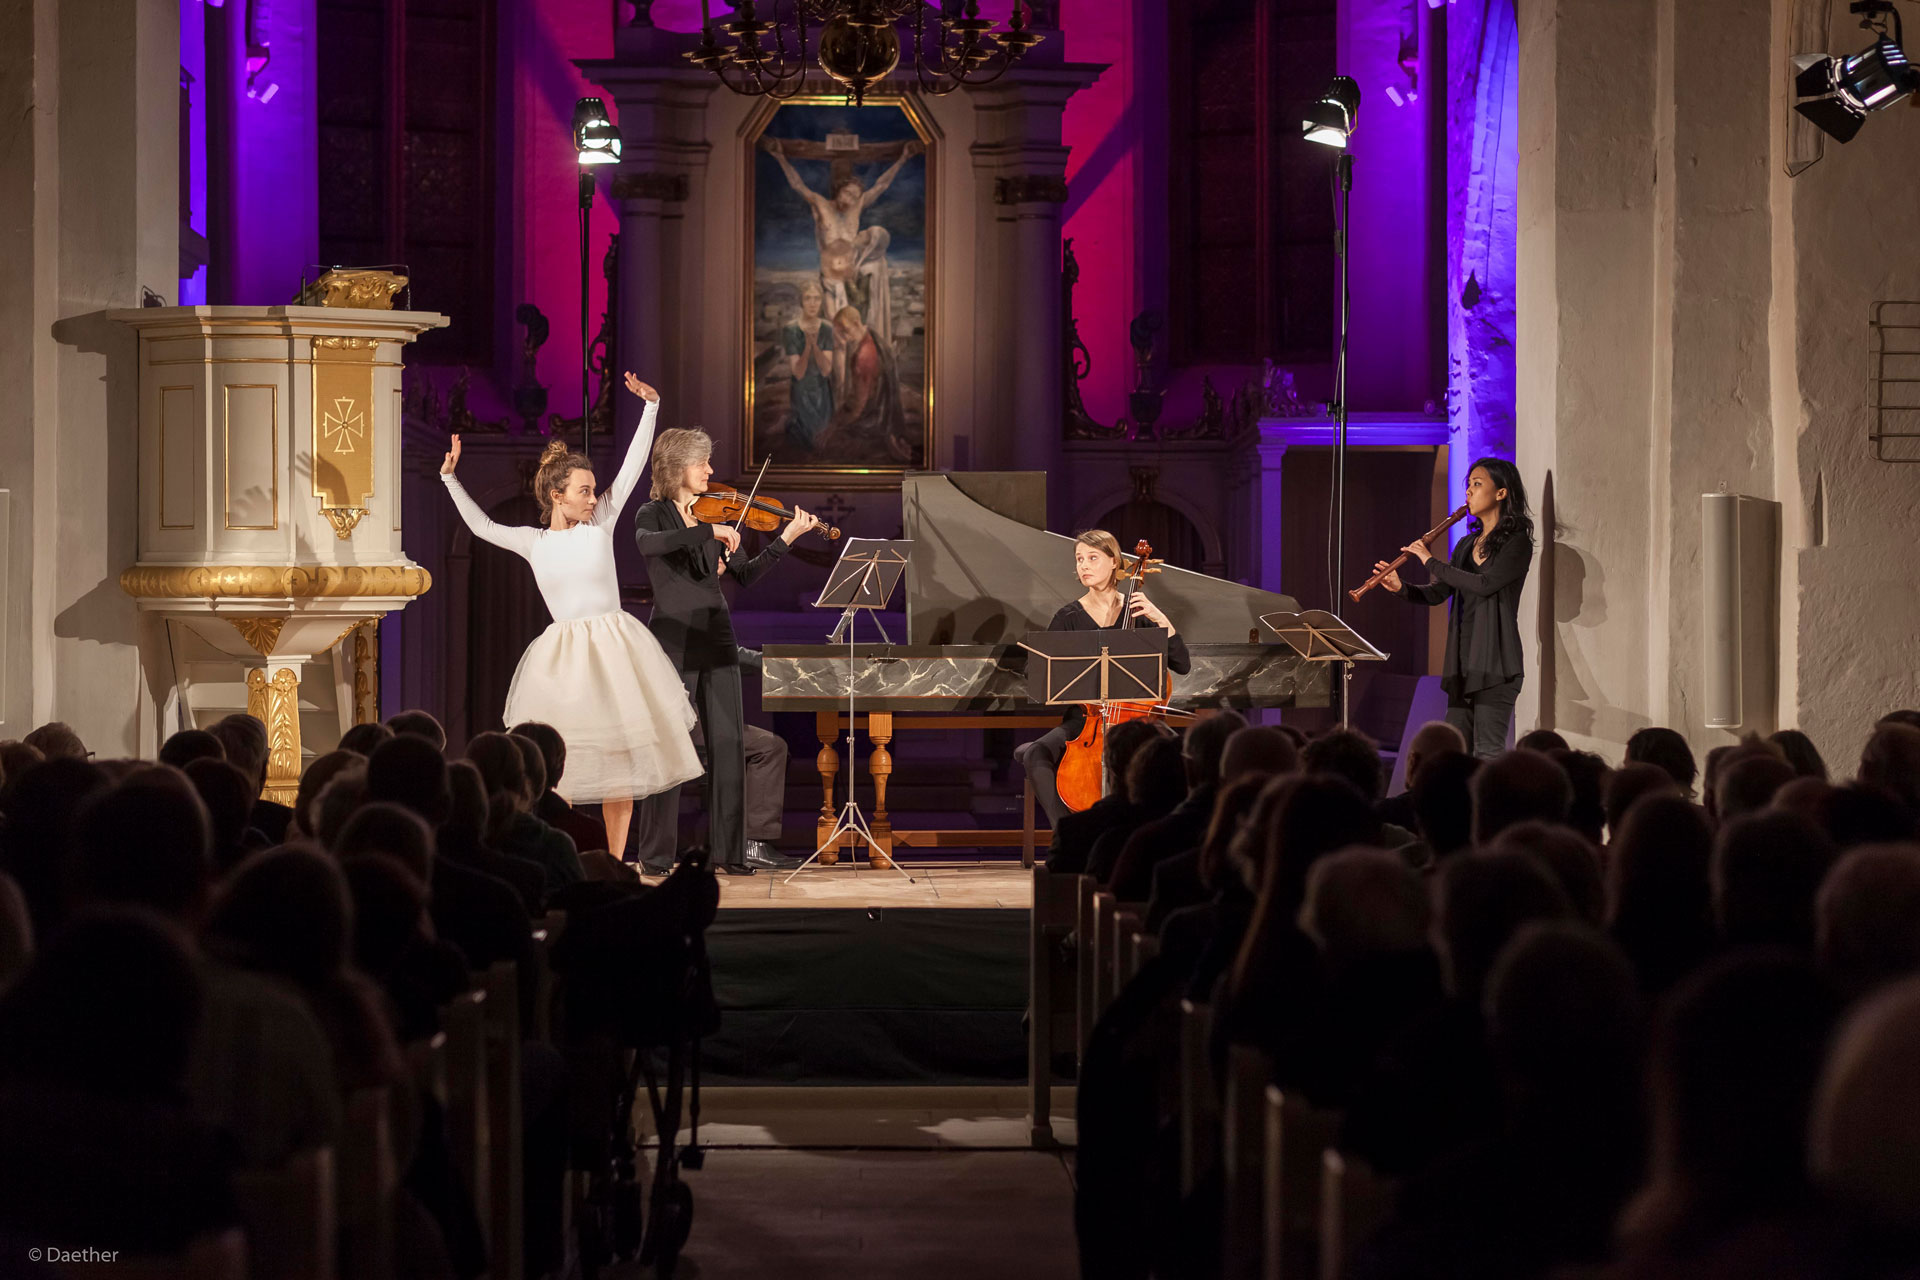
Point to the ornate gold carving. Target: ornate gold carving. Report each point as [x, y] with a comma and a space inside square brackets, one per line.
[261, 633]
[354, 287]
[366, 672]
[343, 519]
[1030, 188]
[343, 440]
[268, 582]
[334, 342]
[650, 186]
[276, 703]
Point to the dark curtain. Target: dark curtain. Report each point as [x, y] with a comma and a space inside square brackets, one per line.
[504, 614]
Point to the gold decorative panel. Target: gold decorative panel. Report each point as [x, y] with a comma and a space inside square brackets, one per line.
[252, 463]
[276, 703]
[179, 441]
[263, 581]
[261, 633]
[343, 434]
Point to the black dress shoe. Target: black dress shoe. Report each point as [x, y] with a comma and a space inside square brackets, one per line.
[762, 854]
[734, 869]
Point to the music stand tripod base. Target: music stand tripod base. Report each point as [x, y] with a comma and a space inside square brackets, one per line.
[864, 577]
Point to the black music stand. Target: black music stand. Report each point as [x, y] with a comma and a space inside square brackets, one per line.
[1318, 636]
[1097, 666]
[864, 577]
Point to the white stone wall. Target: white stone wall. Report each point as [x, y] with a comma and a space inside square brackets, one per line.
[1692, 318]
[89, 212]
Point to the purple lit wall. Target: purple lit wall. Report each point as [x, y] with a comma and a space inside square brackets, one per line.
[1482, 231]
[272, 187]
[193, 121]
[1392, 362]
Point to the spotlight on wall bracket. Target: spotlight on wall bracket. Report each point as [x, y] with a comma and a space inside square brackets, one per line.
[1330, 118]
[1837, 93]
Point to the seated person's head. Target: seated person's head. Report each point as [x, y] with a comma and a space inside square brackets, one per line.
[408, 771]
[1862, 813]
[1737, 1051]
[504, 771]
[1443, 802]
[1434, 738]
[1247, 850]
[1867, 917]
[553, 750]
[284, 911]
[245, 739]
[1122, 740]
[1231, 809]
[1628, 784]
[1567, 856]
[337, 804]
[1722, 758]
[363, 738]
[389, 905]
[41, 803]
[109, 1006]
[1204, 744]
[1807, 796]
[1588, 774]
[1260, 751]
[467, 809]
[1864, 1139]
[228, 795]
[56, 741]
[1667, 749]
[1749, 785]
[535, 766]
[1483, 899]
[388, 830]
[419, 724]
[1349, 754]
[323, 770]
[1767, 868]
[1545, 741]
[1906, 716]
[1891, 761]
[1519, 786]
[15, 759]
[1363, 902]
[1156, 782]
[1564, 1027]
[148, 844]
[1324, 812]
[1800, 752]
[188, 745]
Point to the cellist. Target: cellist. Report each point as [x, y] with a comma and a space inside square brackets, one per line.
[1097, 562]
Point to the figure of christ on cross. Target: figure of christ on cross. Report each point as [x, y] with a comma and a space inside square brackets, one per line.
[853, 259]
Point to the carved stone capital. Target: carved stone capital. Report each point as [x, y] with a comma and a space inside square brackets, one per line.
[1030, 188]
[671, 187]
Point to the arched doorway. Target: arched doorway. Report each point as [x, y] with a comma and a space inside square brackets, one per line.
[1172, 536]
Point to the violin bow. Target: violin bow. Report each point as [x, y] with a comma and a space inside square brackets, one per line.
[752, 493]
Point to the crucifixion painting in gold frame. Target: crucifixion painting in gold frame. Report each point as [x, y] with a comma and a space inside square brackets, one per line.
[852, 408]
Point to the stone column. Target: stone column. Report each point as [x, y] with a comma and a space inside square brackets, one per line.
[1029, 205]
[646, 200]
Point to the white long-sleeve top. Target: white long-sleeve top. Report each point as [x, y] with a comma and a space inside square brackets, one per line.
[573, 567]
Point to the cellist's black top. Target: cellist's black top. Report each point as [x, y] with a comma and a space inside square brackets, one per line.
[1074, 617]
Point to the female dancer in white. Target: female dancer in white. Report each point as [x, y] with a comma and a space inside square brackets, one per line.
[597, 674]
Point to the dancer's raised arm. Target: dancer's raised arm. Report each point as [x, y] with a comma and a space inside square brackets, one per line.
[515, 538]
[617, 493]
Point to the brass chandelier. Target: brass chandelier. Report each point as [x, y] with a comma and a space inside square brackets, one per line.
[859, 45]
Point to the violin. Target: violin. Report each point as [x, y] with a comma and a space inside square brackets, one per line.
[1080, 776]
[724, 506]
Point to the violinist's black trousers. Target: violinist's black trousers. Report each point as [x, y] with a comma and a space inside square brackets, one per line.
[746, 777]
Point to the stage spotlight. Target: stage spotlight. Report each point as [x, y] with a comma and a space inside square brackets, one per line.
[596, 140]
[1838, 92]
[1330, 118]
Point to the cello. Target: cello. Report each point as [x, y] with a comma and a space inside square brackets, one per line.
[1080, 775]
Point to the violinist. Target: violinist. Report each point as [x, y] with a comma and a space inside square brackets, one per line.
[1099, 566]
[746, 765]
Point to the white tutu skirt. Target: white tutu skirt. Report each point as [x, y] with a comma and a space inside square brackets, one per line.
[609, 689]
